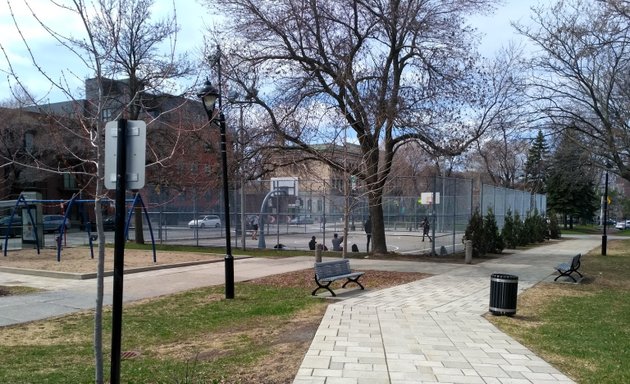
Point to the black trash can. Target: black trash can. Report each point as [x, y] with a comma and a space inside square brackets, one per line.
[503, 292]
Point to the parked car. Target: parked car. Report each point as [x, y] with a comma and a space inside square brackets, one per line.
[620, 225]
[209, 221]
[52, 223]
[301, 220]
[16, 226]
[109, 223]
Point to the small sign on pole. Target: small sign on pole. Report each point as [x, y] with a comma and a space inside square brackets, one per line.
[136, 153]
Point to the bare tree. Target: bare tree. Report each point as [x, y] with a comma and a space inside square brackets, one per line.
[392, 72]
[77, 135]
[501, 158]
[580, 74]
[125, 30]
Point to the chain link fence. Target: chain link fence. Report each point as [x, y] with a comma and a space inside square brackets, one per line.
[291, 208]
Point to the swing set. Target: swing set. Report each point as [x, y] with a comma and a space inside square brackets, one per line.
[28, 205]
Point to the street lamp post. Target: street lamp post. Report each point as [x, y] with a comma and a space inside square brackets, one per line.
[604, 236]
[209, 95]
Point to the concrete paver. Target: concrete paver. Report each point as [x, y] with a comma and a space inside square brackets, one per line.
[428, 331]
[431, 330]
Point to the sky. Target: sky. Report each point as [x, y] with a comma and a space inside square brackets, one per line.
[58, 63]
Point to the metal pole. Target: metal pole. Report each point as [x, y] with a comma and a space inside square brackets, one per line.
[119, 250]
[604, 236]
[241, 144]
[229, 259]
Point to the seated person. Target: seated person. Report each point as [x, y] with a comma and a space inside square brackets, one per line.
[311, 244]
[336, 242]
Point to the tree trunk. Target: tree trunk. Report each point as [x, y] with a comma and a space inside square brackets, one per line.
[100, 291]
[379, 244]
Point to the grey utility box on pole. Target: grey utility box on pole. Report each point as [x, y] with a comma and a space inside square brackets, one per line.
[136, 153]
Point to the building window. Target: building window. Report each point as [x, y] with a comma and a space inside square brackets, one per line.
[69, 182]
[107, 113]
[337, 184]
[28, 142]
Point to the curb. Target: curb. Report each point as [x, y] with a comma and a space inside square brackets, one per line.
[92, 275]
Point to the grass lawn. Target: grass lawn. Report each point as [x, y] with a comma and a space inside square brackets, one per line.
[593, 230]
[261, 336]
[197, 336]
[193, 337]
[583, 329]
[16, 290]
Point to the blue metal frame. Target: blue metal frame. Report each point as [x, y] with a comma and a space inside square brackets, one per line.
[21, 199]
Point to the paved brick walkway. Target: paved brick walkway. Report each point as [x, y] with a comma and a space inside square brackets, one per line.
[432, 331]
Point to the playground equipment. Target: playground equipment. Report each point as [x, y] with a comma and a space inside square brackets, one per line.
[28, 204]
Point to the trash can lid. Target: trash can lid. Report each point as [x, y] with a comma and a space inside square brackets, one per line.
[503, 276]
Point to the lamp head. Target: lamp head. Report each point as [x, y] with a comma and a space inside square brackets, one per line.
[208, 95]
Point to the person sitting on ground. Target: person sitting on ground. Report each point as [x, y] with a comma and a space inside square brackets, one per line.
[311, 244]
[336, 242]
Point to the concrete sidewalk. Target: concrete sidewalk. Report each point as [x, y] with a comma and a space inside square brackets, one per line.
[63, 296]
[431, 330]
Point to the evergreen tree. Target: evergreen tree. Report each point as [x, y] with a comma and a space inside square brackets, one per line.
[571, 187]
[536, 165]
[522, 238]
[529, 230]
[554, 228]
[509, 231]
[492, 237]
[538, 227]
[474, 232]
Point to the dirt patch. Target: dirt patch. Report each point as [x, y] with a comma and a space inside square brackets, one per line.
[288, 340]
[79, 259]
[291, 340]
[371, 280]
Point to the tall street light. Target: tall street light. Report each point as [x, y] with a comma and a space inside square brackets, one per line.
[604, 236]
[209, 95]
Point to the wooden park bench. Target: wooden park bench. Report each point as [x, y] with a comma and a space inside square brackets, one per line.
[327, 272]
[566, 269]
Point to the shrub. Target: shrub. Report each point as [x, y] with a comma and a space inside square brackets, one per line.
[554, 227]
[474, 232]
[492, 238]
[509, 231]
[520, 230]
[537, 227]
[529, 231]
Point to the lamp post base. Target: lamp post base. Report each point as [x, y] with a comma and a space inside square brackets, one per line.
[229, 277]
